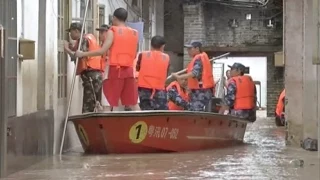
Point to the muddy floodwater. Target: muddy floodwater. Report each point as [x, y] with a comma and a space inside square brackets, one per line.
[262, 156]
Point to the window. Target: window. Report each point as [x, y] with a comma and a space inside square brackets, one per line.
[101, 15]
[63, 23]
[89, 26]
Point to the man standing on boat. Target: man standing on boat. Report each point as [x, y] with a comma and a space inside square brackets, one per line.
[153, 69]
[200, 77]
[90, 69]
[102, 37]
[178, 95]
[119, 83]
[241, 95]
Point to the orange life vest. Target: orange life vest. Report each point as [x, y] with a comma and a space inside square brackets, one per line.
[207, 80]
[280, 104]
[90, 62]
[245, 93]
[153, 70]
[183, 94]
[124, 47]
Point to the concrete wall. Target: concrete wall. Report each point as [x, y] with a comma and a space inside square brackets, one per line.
[210, 23]
[301, 76]
[31, 134]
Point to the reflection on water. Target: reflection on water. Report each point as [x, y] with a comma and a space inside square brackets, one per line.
[262, 156]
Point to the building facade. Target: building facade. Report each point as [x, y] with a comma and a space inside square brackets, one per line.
[37, 87]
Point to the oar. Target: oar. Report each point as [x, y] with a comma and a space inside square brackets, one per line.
[215, 58]
[73, 81]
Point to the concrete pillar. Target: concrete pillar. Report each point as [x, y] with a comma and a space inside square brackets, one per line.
[294, 56]
[301, 76]
[194, 24]
[310, 77]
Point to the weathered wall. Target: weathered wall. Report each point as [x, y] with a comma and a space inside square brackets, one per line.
[210, 23]
[248, 33]
[174, 32]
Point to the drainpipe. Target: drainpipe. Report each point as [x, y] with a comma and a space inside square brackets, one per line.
[22, 19]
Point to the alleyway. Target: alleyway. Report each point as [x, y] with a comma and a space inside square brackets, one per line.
[263, 156]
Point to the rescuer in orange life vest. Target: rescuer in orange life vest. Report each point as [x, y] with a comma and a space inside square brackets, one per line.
[153, 70]
[103, 29]
[199, 76]
[90, 69]
[280, 108]
[119, 83]
[241, 94]
[178, 95]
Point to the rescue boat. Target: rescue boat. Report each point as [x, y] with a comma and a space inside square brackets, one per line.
[156, 131]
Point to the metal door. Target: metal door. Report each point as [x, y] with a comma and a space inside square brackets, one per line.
[8, 73]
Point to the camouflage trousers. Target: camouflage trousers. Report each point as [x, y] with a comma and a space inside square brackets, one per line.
[157, 102]
[199, 98]
[249, 115]
[92, 85]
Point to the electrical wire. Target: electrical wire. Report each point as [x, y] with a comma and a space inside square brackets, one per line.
[258, 3]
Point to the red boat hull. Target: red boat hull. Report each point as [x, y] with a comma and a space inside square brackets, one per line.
[157, 131]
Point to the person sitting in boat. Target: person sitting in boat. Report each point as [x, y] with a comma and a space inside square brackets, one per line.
[178, 95]
[123, 44]
[241, 94]
[200, 77]
[90, 69]
[153, 69]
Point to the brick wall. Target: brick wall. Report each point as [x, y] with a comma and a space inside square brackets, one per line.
[248, 33]
[275, 84]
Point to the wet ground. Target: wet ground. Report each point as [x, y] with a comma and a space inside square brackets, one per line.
[263, 156]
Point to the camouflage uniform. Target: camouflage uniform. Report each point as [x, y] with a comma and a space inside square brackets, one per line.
[159, 100]
[199, 98]
[175, 97]
[90, 96]
[229, 100]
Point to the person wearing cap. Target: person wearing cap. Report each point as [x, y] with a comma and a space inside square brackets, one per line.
[199, 76]
[122, 41]
[153, 69]
[241, 94]
[90, 69]
[103, 29]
